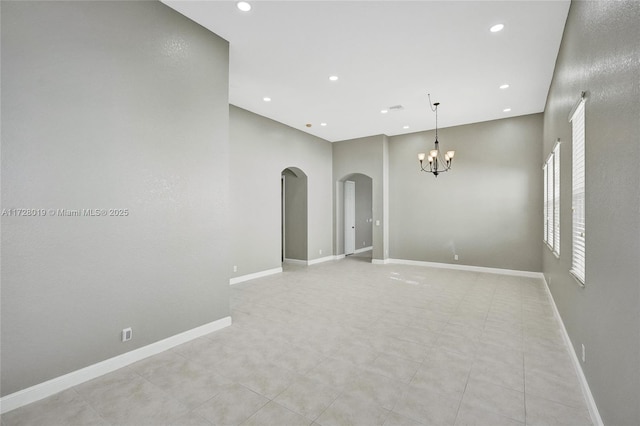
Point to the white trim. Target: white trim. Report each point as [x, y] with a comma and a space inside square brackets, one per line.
[500, 271]
[380, 261]
[581, 101]
[591, 403]
[283, 217]
[268, 272]
[363, 249]
[578, 191]
[314, 261]
[349, 214]
[61, 383]
[296, 261]
[576, 277]
[243, 278]
[321, 259]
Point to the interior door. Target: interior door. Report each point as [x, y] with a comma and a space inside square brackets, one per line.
[282, 218]
[349, 217]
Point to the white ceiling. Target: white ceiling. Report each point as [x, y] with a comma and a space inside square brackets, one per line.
[385, 53]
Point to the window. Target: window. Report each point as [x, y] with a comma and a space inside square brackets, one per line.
[578, 193]
[556, 199]
[547, 219]
[551, 172]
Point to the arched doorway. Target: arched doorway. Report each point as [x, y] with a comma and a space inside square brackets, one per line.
[294, 215]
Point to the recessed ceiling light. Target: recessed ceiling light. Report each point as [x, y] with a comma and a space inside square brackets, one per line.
[496, 28]
[243, 6]
[266, 99]
[333, 78]
[504, 86]
[323, 124]
[384, 111]
[405, 127]
[506, 109]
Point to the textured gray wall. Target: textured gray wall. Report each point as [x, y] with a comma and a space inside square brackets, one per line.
[260, 150]
[102, 108]
[364, 156]
[295, 215]
[600, 54]
[487, 209]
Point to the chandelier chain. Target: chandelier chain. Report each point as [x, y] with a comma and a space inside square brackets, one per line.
[434, 108]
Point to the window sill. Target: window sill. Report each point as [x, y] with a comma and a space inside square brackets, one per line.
[578, 279]
[556, 254]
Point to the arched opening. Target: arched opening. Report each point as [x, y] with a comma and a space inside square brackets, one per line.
[354, 204]
[294, 215]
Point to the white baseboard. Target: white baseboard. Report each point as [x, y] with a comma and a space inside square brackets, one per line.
[586, 390]
[321, 260]
[255, 275]
[339, 256]
[461, 267]
[61, 383]
[380, 261]
[296, 261]
[363, 249]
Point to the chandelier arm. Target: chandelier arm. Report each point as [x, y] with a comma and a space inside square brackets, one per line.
[438, 162]
[435, 171]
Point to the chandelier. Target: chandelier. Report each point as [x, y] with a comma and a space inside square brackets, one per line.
[436, 163]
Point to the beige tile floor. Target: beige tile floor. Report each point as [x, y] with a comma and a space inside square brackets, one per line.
[350, 343]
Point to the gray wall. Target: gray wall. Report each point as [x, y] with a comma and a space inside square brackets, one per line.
[260, 150]
[295, 215]
[102, 108]
[364, 156]
[363, 198]
[599, 54]
[487, 209]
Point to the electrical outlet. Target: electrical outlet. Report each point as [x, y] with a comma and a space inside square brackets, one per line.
[320, 251]
[127, 334]
[583, 353]
[235, 268]
[364, 243]
[455, 257]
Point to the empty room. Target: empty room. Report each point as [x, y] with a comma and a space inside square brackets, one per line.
[320, 213]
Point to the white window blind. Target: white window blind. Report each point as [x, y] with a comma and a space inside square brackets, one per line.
[578, 193]
[550, 202]
[556, 199]
[546, 203]
[551, 173]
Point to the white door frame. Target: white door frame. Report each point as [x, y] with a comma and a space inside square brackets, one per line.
[349, 217]
[282, 217]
